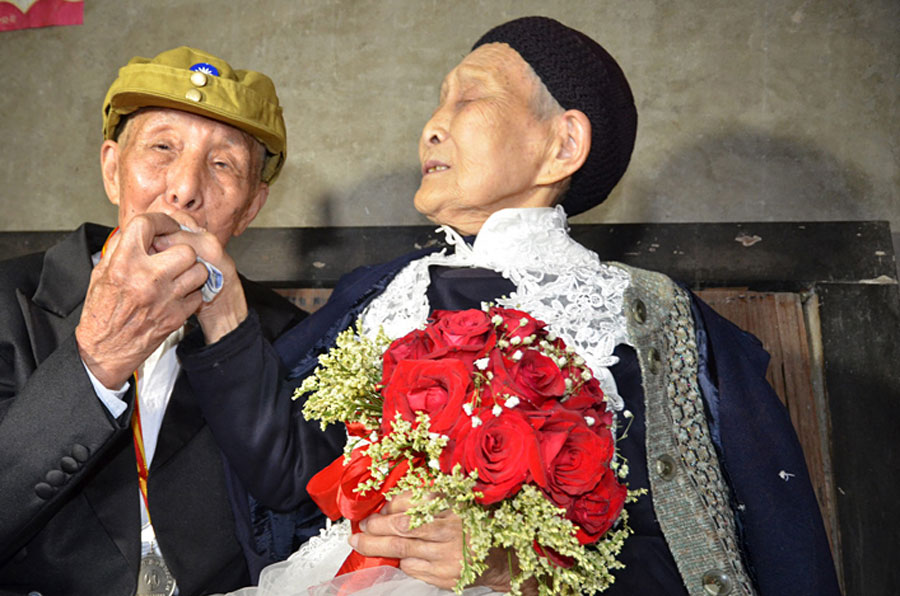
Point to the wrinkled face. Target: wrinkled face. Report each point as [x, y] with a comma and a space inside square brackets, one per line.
[168, 160]
[483, 148]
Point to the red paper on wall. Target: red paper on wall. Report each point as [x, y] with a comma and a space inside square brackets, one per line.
[24, 14]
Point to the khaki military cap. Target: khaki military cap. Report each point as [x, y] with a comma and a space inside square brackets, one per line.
[194, 81]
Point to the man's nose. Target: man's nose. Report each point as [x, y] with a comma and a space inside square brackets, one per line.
[185, 180]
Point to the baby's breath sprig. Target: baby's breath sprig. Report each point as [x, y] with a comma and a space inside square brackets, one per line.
[343, 387]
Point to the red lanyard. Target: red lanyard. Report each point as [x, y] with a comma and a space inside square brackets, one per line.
[138, 434]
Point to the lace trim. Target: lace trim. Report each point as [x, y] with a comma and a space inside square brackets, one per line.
[557, 280]
[320, 548]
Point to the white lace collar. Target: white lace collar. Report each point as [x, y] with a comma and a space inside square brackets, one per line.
[515, 238]
[557, 280]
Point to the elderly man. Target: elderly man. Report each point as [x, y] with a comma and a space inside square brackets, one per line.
[535, 123]
[112, 483]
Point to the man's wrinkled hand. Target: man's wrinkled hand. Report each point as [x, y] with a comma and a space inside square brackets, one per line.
[137, 296]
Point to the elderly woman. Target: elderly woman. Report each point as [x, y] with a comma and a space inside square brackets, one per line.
[535, 124]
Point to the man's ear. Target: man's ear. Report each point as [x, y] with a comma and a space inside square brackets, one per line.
[572, 144]
[109, 169]
[256, 203]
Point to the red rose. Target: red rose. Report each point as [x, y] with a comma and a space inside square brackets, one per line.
[580, 462]
[502, 448]
[553, 423]
[538, 376]
[598, 510]
[516, 323]
[415, 345]
[462, 328]
[535, 378]
[436, 387]
[588, 401]
[461, 334]
[588, 390]
[559, 344]
[501, 381]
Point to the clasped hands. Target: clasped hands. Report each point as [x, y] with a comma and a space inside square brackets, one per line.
[146, 286]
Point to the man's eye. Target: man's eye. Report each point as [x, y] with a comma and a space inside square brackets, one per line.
[220, 164]
[161, 146]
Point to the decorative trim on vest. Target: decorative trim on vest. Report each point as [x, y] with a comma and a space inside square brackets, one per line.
[690, 496]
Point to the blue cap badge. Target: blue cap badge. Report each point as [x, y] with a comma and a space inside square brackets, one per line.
[205, 68]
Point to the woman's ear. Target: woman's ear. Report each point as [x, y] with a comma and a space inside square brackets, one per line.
[571, 147]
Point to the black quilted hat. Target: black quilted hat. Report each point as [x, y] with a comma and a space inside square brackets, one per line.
[580, 75]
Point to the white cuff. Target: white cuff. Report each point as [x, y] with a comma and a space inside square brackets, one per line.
[111, 398]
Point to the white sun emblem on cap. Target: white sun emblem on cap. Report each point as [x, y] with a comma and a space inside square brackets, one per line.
[205, 68]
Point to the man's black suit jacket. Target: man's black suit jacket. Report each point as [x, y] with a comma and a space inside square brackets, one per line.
[69, 500]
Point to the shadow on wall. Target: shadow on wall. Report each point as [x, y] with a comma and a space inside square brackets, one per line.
[325, 203]
[750, 176]
[746, 176]
[378, 201]
[384, 200]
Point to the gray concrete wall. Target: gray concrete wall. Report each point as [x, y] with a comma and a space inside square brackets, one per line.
[749, 111]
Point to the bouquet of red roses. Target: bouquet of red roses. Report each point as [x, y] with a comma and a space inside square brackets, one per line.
[491, 415]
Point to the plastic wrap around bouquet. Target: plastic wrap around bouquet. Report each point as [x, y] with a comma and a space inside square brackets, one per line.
[487, 414]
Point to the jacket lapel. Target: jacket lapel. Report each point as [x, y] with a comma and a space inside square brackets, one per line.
[52, 314]
[46, 329]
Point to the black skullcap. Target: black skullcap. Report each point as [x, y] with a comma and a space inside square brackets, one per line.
[580, 75]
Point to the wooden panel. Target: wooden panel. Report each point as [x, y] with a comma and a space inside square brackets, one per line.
[861, 346]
